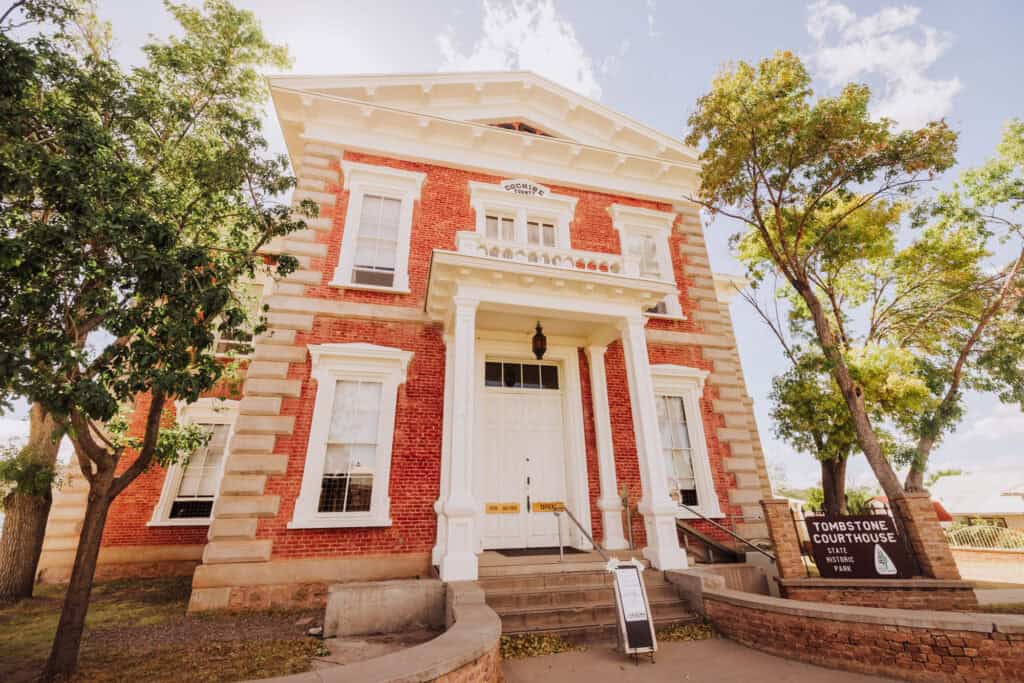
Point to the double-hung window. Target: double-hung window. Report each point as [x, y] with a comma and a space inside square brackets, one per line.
[377, 241]
[378, 227]
[348, 457]
[644, 238]
[678, 390]
[501, 228]
[540, 232]
[191, 486]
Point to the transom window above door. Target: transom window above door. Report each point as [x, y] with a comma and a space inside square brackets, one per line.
[517, 375]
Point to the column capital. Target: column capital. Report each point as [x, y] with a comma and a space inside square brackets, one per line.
[631, 322]
[595, 351]
[465, 303]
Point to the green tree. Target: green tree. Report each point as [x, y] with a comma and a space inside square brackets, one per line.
[797, 172]
[134, 201]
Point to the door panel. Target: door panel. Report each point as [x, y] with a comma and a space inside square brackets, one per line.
[521, 447]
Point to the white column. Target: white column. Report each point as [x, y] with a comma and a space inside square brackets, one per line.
[446, 454]
[458, 559]
[658, 509]
[609, 503]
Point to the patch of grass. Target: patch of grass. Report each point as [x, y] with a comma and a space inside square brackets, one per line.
[138, 630]
[522, 645]
[680, 632]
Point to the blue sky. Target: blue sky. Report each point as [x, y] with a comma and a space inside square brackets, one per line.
[652, 59]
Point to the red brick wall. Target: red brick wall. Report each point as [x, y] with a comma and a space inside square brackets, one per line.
[927, 651]
[960, 599]
[443, 210]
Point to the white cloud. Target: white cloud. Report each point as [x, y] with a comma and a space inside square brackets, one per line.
[1003, 422]
[889, 45]
[526, 34]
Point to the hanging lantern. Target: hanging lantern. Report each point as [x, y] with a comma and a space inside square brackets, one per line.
[540, 343]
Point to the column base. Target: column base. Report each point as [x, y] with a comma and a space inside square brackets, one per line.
[663, 549]
[460, 566]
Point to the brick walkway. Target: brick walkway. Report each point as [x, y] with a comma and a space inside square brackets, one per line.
[718, 660]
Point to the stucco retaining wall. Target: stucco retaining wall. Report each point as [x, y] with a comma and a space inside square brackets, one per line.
[467, 651]
[999, 566]
[913, 645]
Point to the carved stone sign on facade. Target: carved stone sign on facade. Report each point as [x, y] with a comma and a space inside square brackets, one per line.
[524, 187]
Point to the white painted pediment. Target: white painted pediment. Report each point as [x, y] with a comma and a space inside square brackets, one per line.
[499, 97]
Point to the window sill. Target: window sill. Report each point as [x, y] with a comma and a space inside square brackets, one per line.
[710, 514]
[186, 521]
[352, 522]
[368, 288]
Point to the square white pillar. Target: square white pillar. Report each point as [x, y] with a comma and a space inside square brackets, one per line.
[657, 508]
[458, 561]
[609, 503]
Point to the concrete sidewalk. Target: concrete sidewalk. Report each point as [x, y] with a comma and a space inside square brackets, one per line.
[718, 660]
[999, 596]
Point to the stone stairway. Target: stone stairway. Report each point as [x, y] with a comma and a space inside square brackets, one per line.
[574, 600]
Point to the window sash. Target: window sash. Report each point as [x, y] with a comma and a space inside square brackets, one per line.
[200, 477]
[350, 457]
[676, 446]
[539, 232]
[376, 252]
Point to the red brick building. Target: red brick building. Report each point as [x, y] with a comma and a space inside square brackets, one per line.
[398, 416]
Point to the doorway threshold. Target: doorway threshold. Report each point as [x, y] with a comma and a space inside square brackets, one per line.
[534, 552]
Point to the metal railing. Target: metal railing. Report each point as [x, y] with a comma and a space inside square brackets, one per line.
[729, 531]
[561, 544]
[985, 537]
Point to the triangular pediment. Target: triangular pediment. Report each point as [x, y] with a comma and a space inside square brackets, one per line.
[495, 98]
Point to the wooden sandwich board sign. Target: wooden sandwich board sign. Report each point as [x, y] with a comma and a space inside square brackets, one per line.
[636, 625]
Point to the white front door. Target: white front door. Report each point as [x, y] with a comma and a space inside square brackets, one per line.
[521, 446]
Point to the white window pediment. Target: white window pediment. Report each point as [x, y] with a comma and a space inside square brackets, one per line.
[678, 390]
[348, 458]
[190, 488]
[378, 227]
[643, 236]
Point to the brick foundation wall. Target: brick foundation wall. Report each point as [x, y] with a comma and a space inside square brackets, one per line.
[909, 645]
[894, 594]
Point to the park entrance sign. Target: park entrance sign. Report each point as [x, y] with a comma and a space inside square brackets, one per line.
[858, 547]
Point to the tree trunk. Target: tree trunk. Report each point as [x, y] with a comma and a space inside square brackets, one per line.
[833, 485]
[68, 641]
[866, 437]
[25, 514]
[915, 477]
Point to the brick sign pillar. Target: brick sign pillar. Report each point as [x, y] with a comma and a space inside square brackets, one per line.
[926, 536]
[785, 541]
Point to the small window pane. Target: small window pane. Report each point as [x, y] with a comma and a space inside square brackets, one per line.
[512, 374]
[508, 230]
[191, 509]
[549, 376]
[549, 235]
[688, 496]
[533, 233]
[492, 227]
[531, 376]
[492, 374]
[376, 278]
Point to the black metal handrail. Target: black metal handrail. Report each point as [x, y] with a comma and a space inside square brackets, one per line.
[728, 531]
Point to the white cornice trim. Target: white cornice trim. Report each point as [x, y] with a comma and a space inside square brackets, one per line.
[326, 354]
[353, 170]
[626, 216]
[667, 376]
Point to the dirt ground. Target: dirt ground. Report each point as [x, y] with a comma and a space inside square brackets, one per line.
[138, 630]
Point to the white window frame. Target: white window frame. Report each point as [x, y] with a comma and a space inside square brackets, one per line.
[634, 221]
[391, 183]
[686, 383]
[212, 411]
[488, 198]
[356, 362]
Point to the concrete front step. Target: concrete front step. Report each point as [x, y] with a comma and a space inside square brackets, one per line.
[559, 581]
[569, 597]
[599, 633]
[532, 620]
